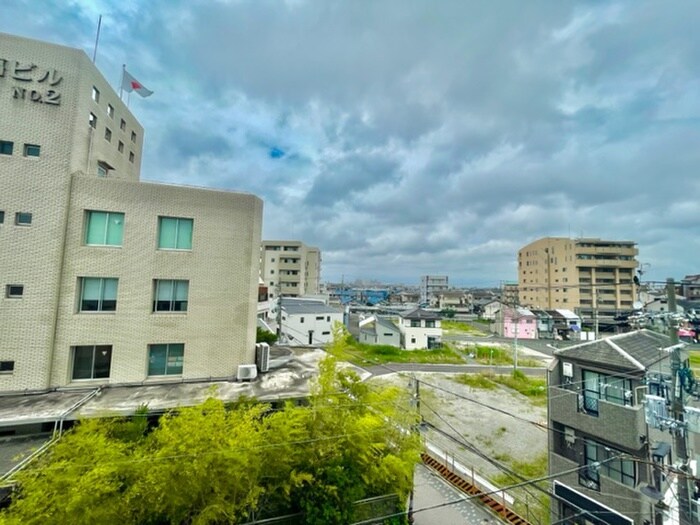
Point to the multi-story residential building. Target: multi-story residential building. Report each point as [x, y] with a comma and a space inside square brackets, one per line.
[290, 268]
[432, 284]
[107, 279]
[690, 287]
[600, 446]
[593, 277]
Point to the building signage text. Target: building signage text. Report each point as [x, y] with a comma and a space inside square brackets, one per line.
[28, 75]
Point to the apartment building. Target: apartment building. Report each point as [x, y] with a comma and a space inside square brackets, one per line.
[290, 268]
[593, 277]
[431, 285]
[106, 279]
[601, 449]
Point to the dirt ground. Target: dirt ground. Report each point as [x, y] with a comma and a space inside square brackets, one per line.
[472, 418]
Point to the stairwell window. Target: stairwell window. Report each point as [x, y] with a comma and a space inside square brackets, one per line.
[23, 218]
[98, 294]
[6, 147]
[175, 233]
[166, 359]
[104, 228]
[14, 291]
[91, 362]
[32, 150]
[170, 295]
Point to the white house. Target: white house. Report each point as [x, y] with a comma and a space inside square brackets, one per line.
[379, 331]
[420, 329]
[308, 322]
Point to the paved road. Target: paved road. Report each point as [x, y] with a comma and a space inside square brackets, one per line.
[430, 490]
[389, 368]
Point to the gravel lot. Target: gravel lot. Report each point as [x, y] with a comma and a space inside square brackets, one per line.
[494, 433]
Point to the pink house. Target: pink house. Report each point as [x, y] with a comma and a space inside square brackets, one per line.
[516, 322]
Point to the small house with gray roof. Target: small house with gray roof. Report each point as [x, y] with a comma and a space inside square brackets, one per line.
[599, 441]
[380, 330]
[308, 321]
[420, 329]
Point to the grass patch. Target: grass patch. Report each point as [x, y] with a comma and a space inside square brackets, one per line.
[476, 381]
[363, 354]
[694, 359]
[534, 388]
[460, 327]
[533, 504]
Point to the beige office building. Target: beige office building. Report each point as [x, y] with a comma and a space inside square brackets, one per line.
[583, 275]
[290, 268]
[106, 279]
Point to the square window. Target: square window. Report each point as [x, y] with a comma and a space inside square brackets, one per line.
[95, 94]
[14, 291]
[131, 156]
[120, 147]
[98, 294]
[170, 295]
[7, 367]
[6, 147]
[133, 137]
[110, 110]
[174, 233]
[108, 135]
[32, 150]
[23, 218]
[91, 362]
[102, 169]
[104, 228]
[92, 120]
[165, 360]
[122, 125]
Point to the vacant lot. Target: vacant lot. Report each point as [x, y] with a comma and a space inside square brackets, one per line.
[490, 427]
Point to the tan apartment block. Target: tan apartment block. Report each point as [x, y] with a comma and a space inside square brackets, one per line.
[290, 268]
[106, 279]
[584, 275]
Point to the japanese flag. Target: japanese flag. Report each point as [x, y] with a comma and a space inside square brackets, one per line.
[130, 84]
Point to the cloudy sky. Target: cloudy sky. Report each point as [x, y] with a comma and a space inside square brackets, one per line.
[407, 137]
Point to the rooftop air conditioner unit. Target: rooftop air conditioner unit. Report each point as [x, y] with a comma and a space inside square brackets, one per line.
[247, 372]
[262, 357]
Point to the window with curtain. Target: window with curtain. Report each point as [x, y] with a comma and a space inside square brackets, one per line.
[174, 233]
[604, 387]
[170, 295]
[165, 359]
[104, 228]
[98, 294]
[92, 361]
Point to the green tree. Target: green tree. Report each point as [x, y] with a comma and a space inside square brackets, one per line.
[214, 463]
[265, 336]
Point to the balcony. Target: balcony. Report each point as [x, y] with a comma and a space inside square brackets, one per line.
[608, 421]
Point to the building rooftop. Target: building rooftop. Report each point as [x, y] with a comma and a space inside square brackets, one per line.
[418, 314]
[305, 306]
[290, 381]
[634, 351]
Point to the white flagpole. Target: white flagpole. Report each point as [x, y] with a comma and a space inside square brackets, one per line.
[121, 82]
[97, 39]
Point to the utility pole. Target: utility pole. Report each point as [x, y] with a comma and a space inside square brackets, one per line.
[686, 514]
[596, 293]
[278, 318]
[515, 342]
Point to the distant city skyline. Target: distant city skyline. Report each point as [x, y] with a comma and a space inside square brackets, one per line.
[413, 138]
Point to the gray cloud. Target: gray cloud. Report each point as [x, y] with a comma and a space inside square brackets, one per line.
[416, 138]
